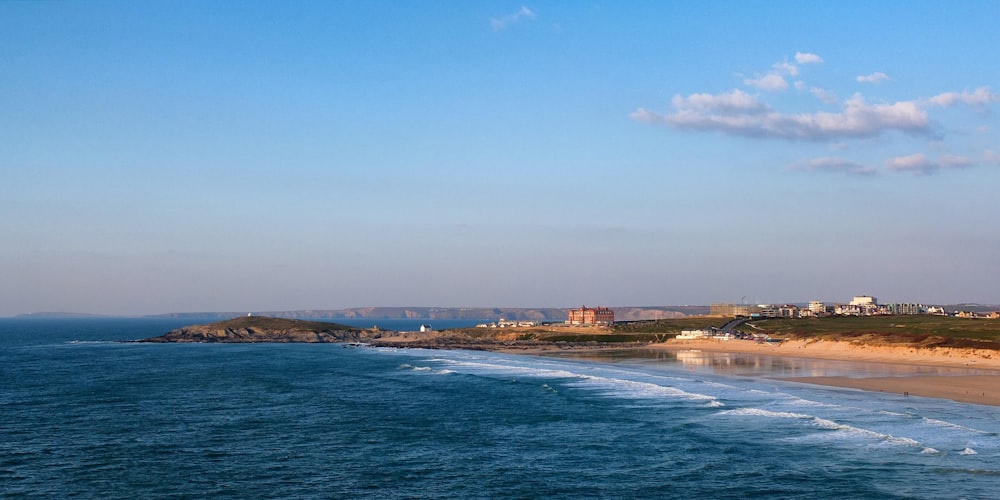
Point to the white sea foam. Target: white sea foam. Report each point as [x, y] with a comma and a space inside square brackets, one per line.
[797, 401]
[968, 451]
[610, 386]
[510, 369]
[822, 423]
[634, 389]
[929, 451]
[942, 423]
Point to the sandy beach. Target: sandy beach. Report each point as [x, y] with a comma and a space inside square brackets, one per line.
[978, 389]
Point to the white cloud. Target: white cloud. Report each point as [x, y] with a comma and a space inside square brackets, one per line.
[736, 101]
[824, 95]
[807, 58]
[836, 165]
[843, 124]
[738, 113]
[979, 98]
[771, 82]
[502, 23]
[920, 164]
[786, 68]
[875, 78]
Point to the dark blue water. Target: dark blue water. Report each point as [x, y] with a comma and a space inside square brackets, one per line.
[84, 416]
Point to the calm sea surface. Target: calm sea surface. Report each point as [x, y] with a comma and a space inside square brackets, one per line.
[83, 415]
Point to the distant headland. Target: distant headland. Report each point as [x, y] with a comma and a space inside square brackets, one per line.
[252, 329]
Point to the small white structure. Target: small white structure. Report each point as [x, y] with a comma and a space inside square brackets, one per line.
[425, 328]
[693, 334]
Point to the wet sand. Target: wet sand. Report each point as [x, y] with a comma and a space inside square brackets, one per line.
[979, 388]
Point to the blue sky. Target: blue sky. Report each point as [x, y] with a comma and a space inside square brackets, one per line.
[200, 156]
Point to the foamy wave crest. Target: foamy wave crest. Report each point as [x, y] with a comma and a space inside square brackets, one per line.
[622, 388]
[609, 386]
[499, 369]
[822, 423]
[407, 366]
[800, 402]
[949, 425]
[929, 451]
[968, 451]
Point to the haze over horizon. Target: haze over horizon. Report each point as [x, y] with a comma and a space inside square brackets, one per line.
[213, 156]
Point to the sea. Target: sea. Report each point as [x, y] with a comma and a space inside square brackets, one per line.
[86, 413]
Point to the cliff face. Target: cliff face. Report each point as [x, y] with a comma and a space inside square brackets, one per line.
[263, 329]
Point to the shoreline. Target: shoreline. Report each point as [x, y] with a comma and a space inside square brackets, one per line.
[981, 389]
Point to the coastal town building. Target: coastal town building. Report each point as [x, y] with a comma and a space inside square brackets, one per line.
[734, 310]
[591, 316]
[899, 309]
[864, 300]
[504, 323]
[788, 311]
[860, 305]
[769, 311]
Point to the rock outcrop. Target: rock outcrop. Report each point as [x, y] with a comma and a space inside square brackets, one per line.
[249, 329]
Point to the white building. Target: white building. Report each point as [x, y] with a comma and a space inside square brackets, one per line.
[864, 300]
[817, 307]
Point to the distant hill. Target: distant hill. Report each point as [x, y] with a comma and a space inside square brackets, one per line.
[625, 313]
[56, 315]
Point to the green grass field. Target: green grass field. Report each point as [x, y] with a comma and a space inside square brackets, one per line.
[925, 330]
[670, 325]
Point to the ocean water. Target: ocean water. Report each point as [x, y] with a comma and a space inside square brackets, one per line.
[84, 415]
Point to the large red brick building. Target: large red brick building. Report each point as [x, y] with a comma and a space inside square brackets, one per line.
[591, 316]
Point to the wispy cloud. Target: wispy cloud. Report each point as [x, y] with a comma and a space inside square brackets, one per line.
[786, 68]
[991, 157]
[771, 82]
[836, 165]
[978, 98]
[824, 95]
[738, 113]
[807, 58]
[875, 78]
[504, 22]
[920, 164]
